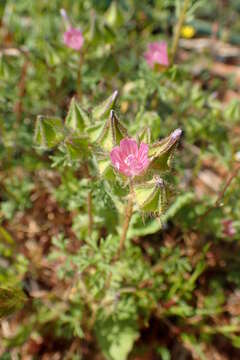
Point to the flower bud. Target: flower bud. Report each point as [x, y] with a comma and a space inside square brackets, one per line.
[77, 119]
[144, 135]
[161, 153]
[103, 110]
[112, 132]
[49, 131]
[152, 196]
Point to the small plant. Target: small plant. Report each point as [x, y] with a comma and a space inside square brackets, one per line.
[100, 144]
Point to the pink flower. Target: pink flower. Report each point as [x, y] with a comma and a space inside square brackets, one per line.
[228, 228]
[157, 54]
[73, 38]
[128, 159]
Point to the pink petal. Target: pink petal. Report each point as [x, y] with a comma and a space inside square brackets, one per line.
[128, 146]
[143, 152]
[145, 164]
[73, 38]
[116, 157]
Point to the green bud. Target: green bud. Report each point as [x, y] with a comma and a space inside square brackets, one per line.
[112, 132]
[11, 300]
[77, 119]
[161, 153]
[103, 110]
[152, 196]
[49, 131]
[144, 135]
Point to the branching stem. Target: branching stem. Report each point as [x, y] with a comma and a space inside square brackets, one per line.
[178, 27]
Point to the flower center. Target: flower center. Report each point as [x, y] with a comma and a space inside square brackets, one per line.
[130, 160]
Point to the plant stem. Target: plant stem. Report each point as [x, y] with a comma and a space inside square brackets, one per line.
[177, 31]
[128, 215]
[90, 215]
[21, 91]
[79, 76]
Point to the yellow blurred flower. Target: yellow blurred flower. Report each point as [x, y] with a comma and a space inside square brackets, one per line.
[188, 31]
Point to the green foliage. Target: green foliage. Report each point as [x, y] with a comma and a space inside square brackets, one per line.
[63, 205]
[11, 300]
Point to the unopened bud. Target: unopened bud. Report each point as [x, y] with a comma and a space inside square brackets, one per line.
[144, 135]
[77, 119]
[161, 153]
[152, 197]
[111, 134]
[103, 110]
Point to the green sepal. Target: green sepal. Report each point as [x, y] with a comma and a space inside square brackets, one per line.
[112, 133]
[11, 299]
[144, 135]
[49, 131]
[161, 153]
[152, 196]
[94, 132]
[103, 110]
[77, 148]
[77, 119]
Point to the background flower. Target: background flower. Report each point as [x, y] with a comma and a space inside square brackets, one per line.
[157, 54]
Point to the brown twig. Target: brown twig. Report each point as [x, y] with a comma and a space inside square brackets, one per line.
[220, 195]
[18, 109]
[90, 214]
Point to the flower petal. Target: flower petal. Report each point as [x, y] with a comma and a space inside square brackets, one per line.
[116, 157]
[143, 152]
[128, 147]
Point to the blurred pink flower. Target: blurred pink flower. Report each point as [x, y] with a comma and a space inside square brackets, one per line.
[128, 159]
[73, 38]
[228, 228]
[157, 54]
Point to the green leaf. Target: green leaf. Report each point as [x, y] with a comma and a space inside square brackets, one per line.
[116, 338]
[77, 148]
[105, 169]
[114, 15]
[49, 131]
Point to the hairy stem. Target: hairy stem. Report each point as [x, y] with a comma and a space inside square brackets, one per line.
[178, 27]
[79, 76]
[90, 214]
[128, 215]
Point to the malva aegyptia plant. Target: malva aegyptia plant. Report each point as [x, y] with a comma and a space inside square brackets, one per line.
[100, 143]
